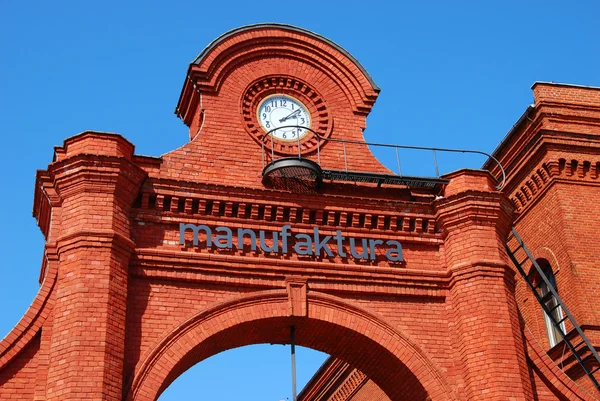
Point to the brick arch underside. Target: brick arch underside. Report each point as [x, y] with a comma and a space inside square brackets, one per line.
[349, 333]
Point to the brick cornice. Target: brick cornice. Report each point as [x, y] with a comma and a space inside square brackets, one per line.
[97, 174]
[373, 198]
[267, 273]
[417, 236]
[335, 381]
[543, 150]
[94, 238]
[45, 198]
[557, 167]
[325, 381]
[474, 207]
[482, 268]
[564, 119]
[238, 47]
[183, 202]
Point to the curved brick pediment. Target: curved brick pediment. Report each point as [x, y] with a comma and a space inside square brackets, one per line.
[226, 83]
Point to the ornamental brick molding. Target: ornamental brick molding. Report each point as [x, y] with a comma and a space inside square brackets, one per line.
[153, 264]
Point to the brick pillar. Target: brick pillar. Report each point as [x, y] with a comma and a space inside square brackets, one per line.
[475, 219]
[97, 183]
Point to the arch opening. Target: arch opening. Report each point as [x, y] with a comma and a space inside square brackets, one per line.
[364, 354]
[252, 373]
[356, 337]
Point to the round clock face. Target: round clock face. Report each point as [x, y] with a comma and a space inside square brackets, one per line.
[277, 111]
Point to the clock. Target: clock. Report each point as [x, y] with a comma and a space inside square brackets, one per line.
[279, 110]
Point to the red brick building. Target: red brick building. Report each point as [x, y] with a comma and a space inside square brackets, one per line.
[275, 214]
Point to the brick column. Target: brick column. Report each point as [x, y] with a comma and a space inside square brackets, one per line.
[94, 247]
[487, 337]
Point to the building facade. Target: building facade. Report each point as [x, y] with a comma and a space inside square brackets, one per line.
[275, 215]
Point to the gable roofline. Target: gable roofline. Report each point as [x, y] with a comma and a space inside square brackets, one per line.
[287, 27]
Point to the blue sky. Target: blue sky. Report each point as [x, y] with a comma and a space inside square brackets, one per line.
[453, 74]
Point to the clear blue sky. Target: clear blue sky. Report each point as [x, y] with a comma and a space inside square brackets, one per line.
[453, 74]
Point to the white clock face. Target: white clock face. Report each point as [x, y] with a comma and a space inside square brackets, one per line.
[280, 111]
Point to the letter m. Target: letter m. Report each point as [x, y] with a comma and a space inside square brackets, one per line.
[195, 230]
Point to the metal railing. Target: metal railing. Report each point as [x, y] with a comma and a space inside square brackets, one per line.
[322, 140]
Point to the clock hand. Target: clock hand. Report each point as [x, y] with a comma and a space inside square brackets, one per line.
[292, 114]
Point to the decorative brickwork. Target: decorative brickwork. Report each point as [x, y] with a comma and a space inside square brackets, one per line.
[128, 301]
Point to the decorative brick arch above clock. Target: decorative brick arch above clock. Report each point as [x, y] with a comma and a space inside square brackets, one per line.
[228, 82]
[315, 54]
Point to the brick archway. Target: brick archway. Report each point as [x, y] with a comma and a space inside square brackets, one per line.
[331, 325]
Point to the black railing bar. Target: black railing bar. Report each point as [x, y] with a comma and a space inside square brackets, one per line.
[272, 149]
[319, 150]
[387, 145]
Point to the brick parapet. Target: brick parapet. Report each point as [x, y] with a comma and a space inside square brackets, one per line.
[94, 143]
[563, 117]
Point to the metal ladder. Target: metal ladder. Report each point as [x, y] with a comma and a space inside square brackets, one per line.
[584, 343]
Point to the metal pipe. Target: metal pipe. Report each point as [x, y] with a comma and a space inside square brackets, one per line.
[437, 170]
[318, 150]
[345, 157]
[397, 161]
[298, 136]
[272, 149]
[293, 341]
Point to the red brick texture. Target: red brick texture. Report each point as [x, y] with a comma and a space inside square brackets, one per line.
[125, 308]
[338, 381]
